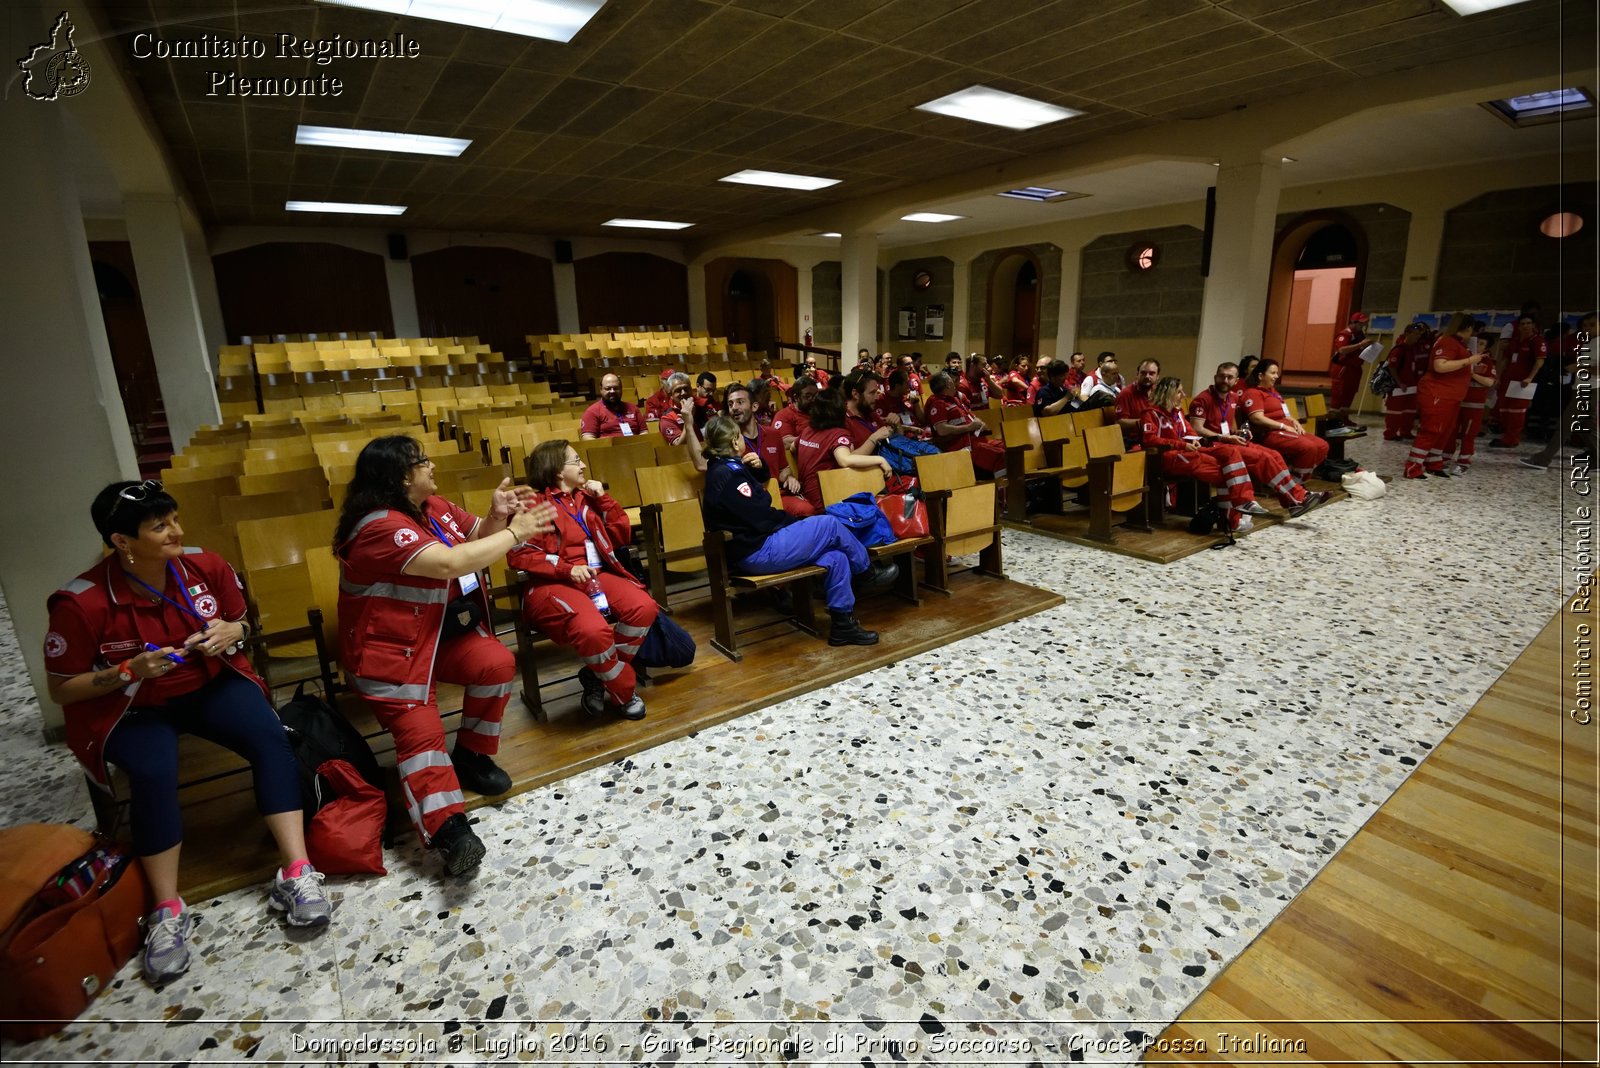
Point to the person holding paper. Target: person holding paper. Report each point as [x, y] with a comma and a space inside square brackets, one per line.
[1470, 421]
[1526, 355]
[1439, 397]
[1408, 360]
[1345, 368]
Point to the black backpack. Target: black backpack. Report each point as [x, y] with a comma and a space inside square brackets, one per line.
[1382, 383]
[317, 734]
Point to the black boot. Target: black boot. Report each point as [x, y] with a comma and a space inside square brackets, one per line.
[847, 631]
[458, 844]
[594, 692]
[880, 576]
[477, 771]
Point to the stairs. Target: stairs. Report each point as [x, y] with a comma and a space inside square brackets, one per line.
[153, 443]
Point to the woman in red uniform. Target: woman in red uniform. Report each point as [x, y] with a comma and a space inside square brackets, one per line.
[1407, 360]
[1439, 397]
[143, 647]
[1277, 429]
[1163, 425]
[1527, 351]
[828, 444]
[1470, 420]
[578, 580]
[412, 610]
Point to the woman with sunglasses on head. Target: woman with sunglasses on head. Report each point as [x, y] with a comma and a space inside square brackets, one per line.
[412, 610]
[578, 580]
[143, 647]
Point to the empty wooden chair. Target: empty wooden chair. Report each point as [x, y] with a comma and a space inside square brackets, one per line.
[963, 517]
[674, 532]
[1116, 482]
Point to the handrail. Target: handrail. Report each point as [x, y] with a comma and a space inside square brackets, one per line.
[832, 355]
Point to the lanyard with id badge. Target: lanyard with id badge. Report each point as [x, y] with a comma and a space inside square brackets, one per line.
[465, 612]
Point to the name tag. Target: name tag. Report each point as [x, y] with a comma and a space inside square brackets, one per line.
[627, 430]
[469, 582]
[1224, 429]
[591, 553]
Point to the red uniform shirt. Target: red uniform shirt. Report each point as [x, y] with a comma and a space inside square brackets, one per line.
[671, 426]
[1268, 402]
[822, 377]
[1408, 360]
[1075, 378]
[602, 422]
[942, 409]
[1160, 427]
[1015, 388]
[1348, 336]
[1449, 385]
[102, 618]
[814, 453]
[860, 428]
[1132, 400]
[790, 422]
[1478, 395]
[657, 403]
[905, 407]
[768, 444]
[779, 387]
[1219, 411]
[976, 392]
[1524, 352]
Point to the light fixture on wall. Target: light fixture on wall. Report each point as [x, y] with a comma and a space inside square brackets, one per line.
[1559, 224]
[1143, 256]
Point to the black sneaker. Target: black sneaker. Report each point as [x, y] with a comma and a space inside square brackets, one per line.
[594, 692]
[478, 771]
[880, 576]
[847, 631]
[459, 845]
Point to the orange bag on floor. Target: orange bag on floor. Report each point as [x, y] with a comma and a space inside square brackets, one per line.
[70, 912]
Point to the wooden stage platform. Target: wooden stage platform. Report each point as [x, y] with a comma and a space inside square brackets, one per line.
[1171, 541]
[226, 845]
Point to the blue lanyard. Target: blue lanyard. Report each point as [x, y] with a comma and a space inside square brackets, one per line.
[437, 529]
[192, 610]
[577, 517]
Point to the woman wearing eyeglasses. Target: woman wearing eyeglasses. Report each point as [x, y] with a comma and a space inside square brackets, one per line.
[143, 647]
[578, 580]
[412, 610]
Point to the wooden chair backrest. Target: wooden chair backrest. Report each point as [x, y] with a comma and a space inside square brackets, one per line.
[235, 510]
[322, 571]
[284, 539]
[945, 471]
[292, 462]
[1025, 431]
[183, 476]
[670, 482]
[1316, 405]
[1104, 441]
[970, 506]
[1127, 480]
[668, 454]
[843, 482]
[197, 499]
[1092, 418]
[1009, 412]
[617, 469]
[309, 481]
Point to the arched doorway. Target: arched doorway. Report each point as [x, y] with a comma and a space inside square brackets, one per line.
[748, 312]
[1013, 325]
[1318, 264]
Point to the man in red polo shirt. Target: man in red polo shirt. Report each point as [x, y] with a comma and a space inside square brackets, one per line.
[790, 421]
[1133, 399]
[1344, 368]
[766, 443]
[1217, 415]
[1527, 352]
[611, 416]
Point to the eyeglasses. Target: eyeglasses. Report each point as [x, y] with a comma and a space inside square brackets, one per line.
[421, 462]
[136, 494]
[576, 461]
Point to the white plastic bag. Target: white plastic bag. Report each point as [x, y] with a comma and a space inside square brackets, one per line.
[1364, 485]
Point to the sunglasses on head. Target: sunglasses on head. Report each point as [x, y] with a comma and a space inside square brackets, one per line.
[136, 493]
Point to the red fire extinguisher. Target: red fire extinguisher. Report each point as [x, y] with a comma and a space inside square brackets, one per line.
[808, 337]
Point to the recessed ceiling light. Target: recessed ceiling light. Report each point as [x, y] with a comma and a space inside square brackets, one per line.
[829, 233]
[998, 108]
[1290, 159]
[779, 180]
[1042, 194]
[344, 209]
[1473, 7]
[379, 141]
[647, 224]
[1532, 109]
[930, 216]
[551, 20]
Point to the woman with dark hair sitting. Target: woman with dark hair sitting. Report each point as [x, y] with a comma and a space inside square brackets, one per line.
[412, 610]
[828, 444]
[578, 580]
[1164, 425]
[767, 540]
[145, 646]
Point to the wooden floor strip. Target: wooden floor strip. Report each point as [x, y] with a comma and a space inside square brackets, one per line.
[1461, 924]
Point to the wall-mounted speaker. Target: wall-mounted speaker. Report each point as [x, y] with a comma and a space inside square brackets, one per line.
[397, 247]
[563, 251]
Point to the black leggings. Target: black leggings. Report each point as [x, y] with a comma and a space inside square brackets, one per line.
[231, 711]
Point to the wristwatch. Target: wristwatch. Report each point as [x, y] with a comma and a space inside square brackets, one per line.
[125, 671]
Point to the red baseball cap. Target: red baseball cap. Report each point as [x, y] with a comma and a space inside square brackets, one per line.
[1358, 317]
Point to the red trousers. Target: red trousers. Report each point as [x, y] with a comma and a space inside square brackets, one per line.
[1399, 413]
[1304, 452]
[1469, 421]
[1513, 413]
[1267, 468]
[1344, 384]
[567, 616]
[427, 778]
[1436, 430]
[1219, 465]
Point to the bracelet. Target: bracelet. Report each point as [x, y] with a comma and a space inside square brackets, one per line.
[125, 673]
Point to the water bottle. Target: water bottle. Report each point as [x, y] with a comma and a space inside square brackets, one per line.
[597, 595]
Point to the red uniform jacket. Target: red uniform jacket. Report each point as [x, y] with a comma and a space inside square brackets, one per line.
[551, 556]
[1348, 336]
[1477, 396]
[1221, 411]
[814, 453]
[101, 618]
[790, 422]
[389, 621]
[1166, 429]
[1452, 385]
[942, 409]
[1524, 352]
[1016, 390]
[1268, 402]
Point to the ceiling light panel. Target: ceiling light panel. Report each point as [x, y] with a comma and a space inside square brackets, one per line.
[338, 208]
[1474, 7]
[647, 224]
[998, 108]
[379, 141]
[1041, 194]
[779, 180]
[930, 217]
[549, 20]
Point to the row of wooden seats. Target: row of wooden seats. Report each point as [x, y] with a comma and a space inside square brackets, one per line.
[1069, 451]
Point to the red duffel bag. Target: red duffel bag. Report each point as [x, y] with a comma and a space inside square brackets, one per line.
[346, 835]
[907, 514]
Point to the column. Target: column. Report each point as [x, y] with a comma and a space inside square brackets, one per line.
[66, 434]
[172, 313]
[956, 315]
[566, 279]
[1235, 300]
[402, 298]
[1071, 287]
[1424, 239]
[858, 312]
[699, 316]
[205, 284]
[803, 308]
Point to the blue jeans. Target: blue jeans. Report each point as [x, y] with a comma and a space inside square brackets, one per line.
[820, 540]
[230, 711]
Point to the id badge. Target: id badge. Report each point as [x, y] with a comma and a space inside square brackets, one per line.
[627, 428]
[1225, 429]
[591, 553]
[469, 582]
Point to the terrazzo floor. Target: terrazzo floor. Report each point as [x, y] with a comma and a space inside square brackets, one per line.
[1036, 845]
